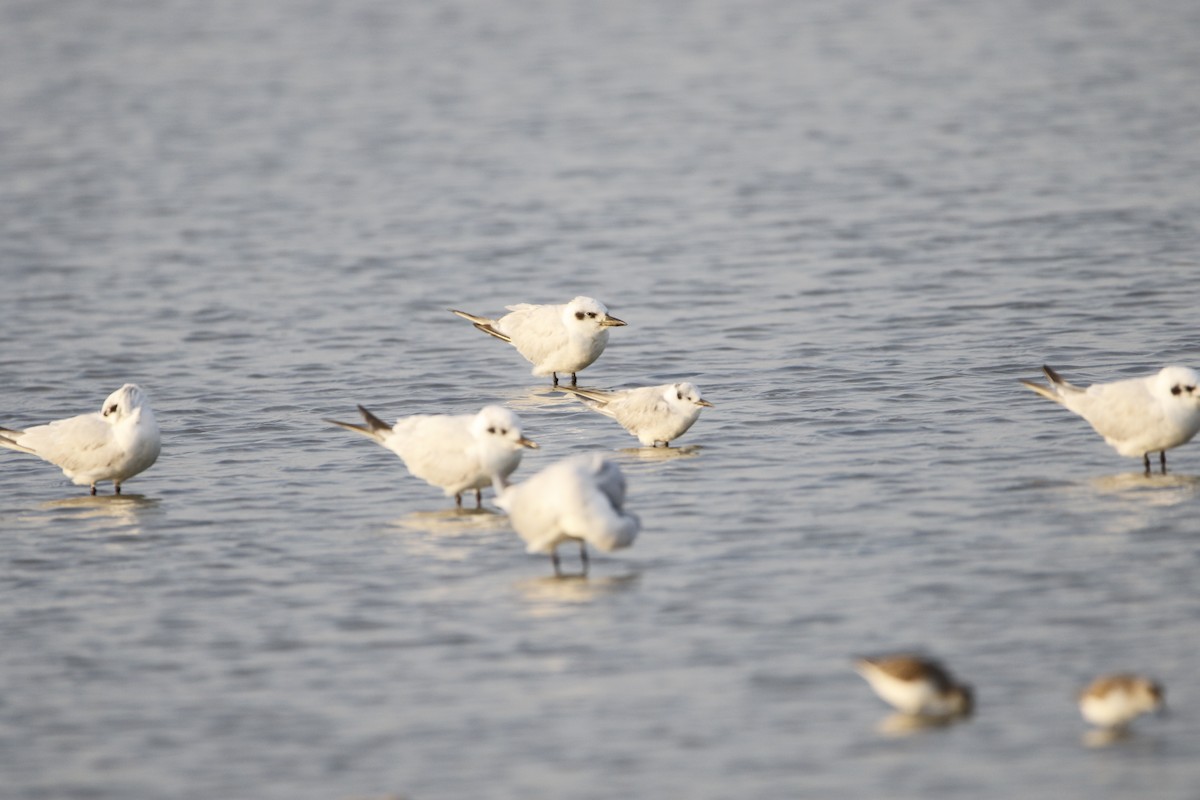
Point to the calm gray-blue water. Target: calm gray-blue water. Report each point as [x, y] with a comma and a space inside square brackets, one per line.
[854, 225]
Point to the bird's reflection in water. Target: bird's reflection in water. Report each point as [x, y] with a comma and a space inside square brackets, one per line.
[533, 398]
[452, 534]
[660, 453]
[450, 521]
[1153, 489]
[120, 507]
[103, 501]
[551, 595]
[1140, 741]
[900, 724]
[107, 514]
[1105, 737]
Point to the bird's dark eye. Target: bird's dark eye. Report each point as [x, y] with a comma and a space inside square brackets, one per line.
[592, 314]
[1189, 389]
[579, 315]
[503, 432]
[492, 429]
[111, 410]
[1175, 389]
[679, 395]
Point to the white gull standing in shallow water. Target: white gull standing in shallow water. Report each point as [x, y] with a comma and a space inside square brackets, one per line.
[581, 498]
[112, 444]
[554, 338]
[1136, 416]
[454, 453]
[654, 414]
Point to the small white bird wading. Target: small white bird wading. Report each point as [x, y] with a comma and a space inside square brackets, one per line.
[581, 498]
[554, 338]
[1137, 416]
[453, 453]
[654, 414]
[112, 444]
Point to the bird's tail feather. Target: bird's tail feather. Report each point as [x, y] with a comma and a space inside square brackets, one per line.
[1059, 382]
[374, 428]
[1045, 392]
[1056, 390]
[484, 324]
[591, 394]
[10, 443]
[375, 423]
[350, 426]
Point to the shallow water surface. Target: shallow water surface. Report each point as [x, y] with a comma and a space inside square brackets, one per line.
[853, 227]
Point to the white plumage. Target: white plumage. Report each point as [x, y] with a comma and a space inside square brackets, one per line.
[654, 414]
[581, 498]
[453, 453]
[1136, 416]
[112, 444]
[554, 338]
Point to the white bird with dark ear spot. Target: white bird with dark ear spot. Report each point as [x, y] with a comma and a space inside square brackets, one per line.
[654, 414]
[112, 444]
[453, 453]
[554, 338]
[1137, 416]
[581, 498]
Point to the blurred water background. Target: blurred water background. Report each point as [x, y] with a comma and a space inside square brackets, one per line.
[854, 225]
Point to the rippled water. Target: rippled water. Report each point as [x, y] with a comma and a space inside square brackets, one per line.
[854, 225]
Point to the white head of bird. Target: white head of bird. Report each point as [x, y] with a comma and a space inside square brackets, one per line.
[685, 397]
[1177, 388]
[585, 317]
[500, 439]
[128, 402]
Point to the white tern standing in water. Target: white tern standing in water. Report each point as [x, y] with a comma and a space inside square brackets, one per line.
[554, 338]
[1136, 416]
[453, 453]
[112, 444]
[654, 414]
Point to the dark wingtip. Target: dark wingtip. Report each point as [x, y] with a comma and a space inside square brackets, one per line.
[373, 421]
